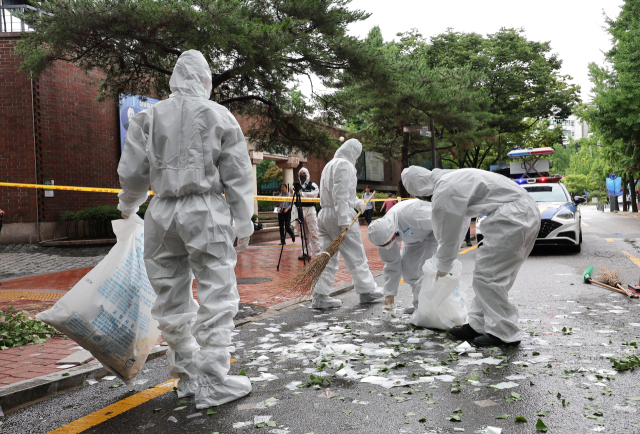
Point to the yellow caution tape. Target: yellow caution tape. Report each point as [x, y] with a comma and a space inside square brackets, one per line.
[117, 190]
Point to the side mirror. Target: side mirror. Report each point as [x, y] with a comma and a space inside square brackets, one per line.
[579, 199]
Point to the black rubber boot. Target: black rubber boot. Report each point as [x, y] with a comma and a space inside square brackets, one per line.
[304, 258]
[464, 332]
[489, 340]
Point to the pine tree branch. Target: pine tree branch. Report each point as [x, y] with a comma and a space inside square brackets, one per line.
[246, 98]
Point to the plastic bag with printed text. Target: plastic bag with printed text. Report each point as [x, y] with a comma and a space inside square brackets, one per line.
[108, 312]
[441, 304]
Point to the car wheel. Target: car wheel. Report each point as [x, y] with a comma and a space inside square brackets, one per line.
[580, 236]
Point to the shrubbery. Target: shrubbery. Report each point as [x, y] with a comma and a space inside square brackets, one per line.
[93, 222]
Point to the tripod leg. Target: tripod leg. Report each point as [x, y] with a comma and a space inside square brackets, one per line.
[281, 249]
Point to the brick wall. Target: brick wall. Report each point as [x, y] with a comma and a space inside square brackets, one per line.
[76, 138]
[17, 159]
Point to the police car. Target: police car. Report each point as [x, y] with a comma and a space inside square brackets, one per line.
[561, 220]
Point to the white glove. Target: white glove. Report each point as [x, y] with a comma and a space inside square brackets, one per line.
[440, 274]
[344, 228]
[124, 216]
[361, 206]
[243, 243]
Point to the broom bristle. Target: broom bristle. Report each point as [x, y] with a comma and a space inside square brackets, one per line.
[303, 282]
[610, 276]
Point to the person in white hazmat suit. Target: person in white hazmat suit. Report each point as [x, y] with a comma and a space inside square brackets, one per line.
[510, 230]
[409, 222]
[309, 190]
[338, 200]
[191, 151]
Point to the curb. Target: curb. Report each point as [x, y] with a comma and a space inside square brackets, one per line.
[18, 395]
[25, 392]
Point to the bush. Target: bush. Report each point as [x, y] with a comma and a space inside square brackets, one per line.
[94, 222]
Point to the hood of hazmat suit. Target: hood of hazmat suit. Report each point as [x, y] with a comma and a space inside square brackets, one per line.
[309, 189]
[339, 181]
[191, 151]
[382, 230]
[509, 230]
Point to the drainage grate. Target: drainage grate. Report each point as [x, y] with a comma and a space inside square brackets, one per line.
[252, 280]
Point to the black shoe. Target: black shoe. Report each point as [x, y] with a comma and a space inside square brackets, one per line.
[489, 340]
[293, 237]
[469, 244]
[464, 332]
[282, 242]
[304, 258]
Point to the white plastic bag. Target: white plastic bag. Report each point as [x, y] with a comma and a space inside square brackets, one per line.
[108, 312]
[441, 304]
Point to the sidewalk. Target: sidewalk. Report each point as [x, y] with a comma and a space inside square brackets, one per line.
[36, 293]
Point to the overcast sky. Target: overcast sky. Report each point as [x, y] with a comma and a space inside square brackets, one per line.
[574, 27]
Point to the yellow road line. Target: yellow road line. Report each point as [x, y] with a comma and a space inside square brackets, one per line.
[609, 240]
[468, 250]
[584, 224]
[632, 258]
[401, 281]
[114, 410]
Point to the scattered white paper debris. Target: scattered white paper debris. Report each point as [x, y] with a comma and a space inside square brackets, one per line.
[91, 381]
[259, 419]
[626, 408]
[485, 403]
[293, 385]
[191, 416]
[65, 366]
[501, 386]
[239, 425]
[492, 430]
[172, 419]
[445, 378]
[109, 378]
[516, 377]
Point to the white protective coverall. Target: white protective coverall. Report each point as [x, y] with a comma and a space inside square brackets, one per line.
[310, 190]
[190, 151]
[410, 221]
[338, 200]
[510, 230]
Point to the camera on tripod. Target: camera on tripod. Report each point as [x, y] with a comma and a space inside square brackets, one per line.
[297, 187]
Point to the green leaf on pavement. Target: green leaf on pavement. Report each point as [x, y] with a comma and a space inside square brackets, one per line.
[543, 413]
[155, 410]
[424, 419]
[346, 411]
[520, 419]
[454, 418]
[410, 414]
[540, 426]
[503, 416]
[271, 423]
[180, 408]
[243, 373]
[210, 412]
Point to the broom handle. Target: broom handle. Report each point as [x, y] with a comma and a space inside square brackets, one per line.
[626, 292]
[355, 219]
[607, 286]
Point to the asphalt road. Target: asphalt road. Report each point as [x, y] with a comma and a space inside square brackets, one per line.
[560, 372]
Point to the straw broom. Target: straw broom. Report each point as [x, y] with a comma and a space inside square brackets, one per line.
[611, 277]
[305, 280]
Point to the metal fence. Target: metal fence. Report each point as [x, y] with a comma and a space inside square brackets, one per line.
[10, 23]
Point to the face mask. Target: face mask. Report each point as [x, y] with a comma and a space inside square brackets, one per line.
[303, 178]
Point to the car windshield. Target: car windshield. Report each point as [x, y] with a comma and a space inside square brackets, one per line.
[547, 193]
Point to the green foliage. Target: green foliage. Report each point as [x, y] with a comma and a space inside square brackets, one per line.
[625, 364]
[316, 382]
[256, 49]
[576, 184]
[272, 173]
[94, 221]
[18, 328]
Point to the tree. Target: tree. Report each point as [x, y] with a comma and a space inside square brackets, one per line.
[255, 49]
[272, 173]
[522, 80]
[403, 91]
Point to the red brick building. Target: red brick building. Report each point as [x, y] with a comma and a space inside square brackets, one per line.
[53, 129]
